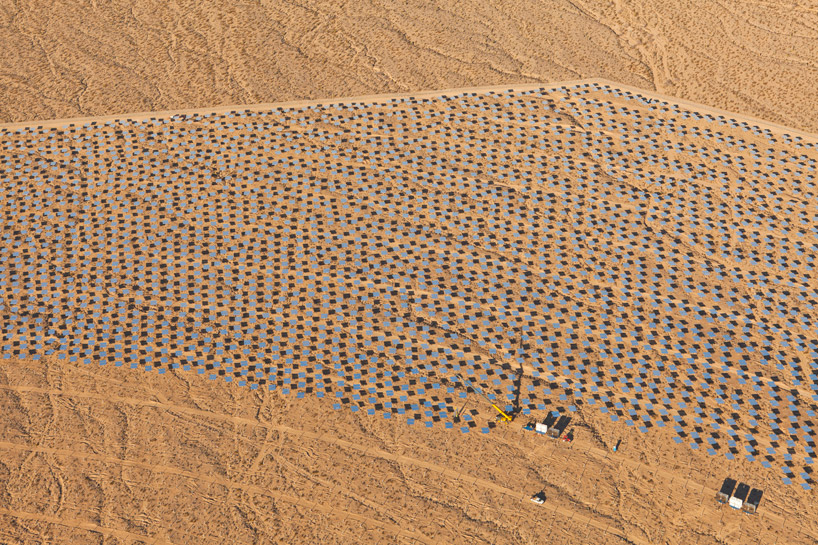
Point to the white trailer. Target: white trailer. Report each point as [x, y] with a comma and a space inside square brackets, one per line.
[739, 496]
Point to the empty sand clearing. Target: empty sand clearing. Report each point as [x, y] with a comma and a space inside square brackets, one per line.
[68, 59]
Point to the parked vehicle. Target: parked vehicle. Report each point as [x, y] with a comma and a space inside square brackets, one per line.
[538, 498]
[723, 495]
[739, 496]
[751, 505]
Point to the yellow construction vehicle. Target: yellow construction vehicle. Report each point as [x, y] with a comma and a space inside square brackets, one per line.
[503, 416]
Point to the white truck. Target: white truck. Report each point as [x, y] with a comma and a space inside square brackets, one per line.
[739, 496]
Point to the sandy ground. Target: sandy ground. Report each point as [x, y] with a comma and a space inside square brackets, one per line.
[677, 267]
[106, 455]
[66, 58]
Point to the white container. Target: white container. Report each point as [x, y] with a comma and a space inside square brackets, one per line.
[736, 503]
[540, 428]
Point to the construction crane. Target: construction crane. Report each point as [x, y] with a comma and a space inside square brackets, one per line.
[505, 417]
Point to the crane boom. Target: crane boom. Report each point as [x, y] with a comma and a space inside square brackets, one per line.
[503, 415]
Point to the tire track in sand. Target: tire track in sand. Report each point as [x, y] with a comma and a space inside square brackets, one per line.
[595, 452]
[200, 477]
[324, 437]
[85, 525]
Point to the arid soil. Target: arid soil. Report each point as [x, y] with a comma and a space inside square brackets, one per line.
[533, 240]
[104, 455]
[69, 58]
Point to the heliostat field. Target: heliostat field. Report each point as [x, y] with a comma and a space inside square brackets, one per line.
[557, 246]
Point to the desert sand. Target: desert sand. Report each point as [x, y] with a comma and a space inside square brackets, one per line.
[253, 326]
[177, 459]
[68, 58]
